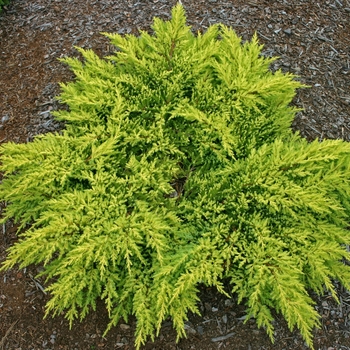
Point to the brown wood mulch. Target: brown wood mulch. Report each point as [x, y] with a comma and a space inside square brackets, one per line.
[312, 39]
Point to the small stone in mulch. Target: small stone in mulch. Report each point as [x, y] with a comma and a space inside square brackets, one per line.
[124, 326]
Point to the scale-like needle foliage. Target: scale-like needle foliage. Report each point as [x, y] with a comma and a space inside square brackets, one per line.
[177, 167]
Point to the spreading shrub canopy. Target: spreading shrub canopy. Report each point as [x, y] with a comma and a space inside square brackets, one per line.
[177, 167]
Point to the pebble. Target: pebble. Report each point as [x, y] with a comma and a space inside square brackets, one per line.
[228, 302]
[124, 326]
[200, 330]
[325, 304]
[5, 118]
[52, 338]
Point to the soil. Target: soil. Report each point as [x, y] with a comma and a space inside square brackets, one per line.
[312, 39]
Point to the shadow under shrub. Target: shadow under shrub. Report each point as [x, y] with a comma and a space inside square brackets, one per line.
[178, 166]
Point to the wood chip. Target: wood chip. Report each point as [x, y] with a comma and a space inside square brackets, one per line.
[223, 337]
[2, 342]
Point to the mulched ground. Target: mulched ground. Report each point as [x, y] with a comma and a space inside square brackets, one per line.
[312, 39]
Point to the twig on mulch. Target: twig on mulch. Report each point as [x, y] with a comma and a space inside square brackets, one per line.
[2, 342]
[37, 284]
[223, 337]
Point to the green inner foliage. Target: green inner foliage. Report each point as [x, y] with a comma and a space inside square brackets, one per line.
[178, 167]
[3, 3]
